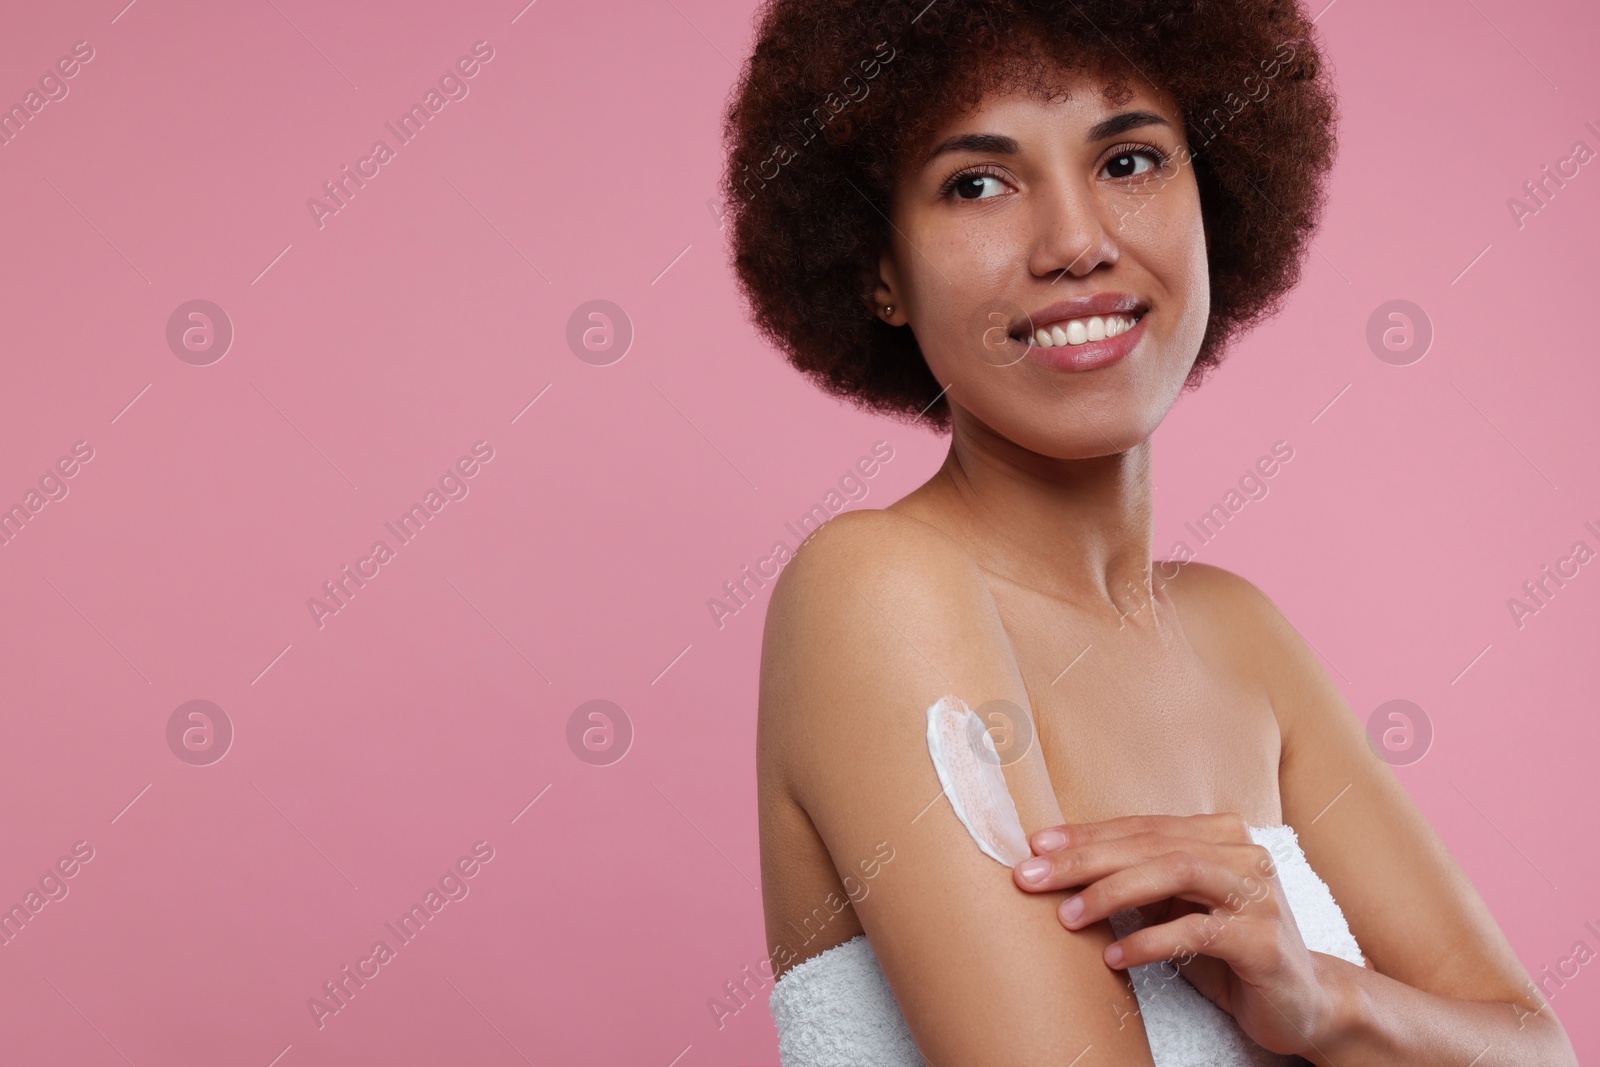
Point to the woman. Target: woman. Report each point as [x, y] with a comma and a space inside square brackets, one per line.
[1032, 225]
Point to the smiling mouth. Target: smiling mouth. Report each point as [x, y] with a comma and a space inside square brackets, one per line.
[1065, 333]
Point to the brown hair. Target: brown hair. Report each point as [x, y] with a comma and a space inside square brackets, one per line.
[835, 91]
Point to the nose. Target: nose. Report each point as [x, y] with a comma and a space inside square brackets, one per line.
[1071, 234]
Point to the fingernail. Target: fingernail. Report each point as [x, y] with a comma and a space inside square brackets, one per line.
[1114, 955]
[1034, 869]
[1072, 908]
[1049, 840]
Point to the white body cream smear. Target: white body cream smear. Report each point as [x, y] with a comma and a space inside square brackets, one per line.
[968, 766]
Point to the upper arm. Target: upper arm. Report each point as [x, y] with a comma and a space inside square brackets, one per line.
[876, 618]
[1414, 912]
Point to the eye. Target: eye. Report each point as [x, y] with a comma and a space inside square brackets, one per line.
[1126, 160]
[972, 181]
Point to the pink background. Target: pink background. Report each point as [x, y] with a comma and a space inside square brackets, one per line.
[370, 354]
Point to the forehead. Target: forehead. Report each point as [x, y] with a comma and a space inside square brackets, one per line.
[1029, 90]
[1078, 100]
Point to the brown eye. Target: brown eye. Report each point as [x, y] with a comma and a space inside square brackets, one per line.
[981, 184]
[1127, 165]
[972, 187]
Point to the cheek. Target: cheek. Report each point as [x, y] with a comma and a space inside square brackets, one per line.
[1168, 238]
[1170, 243]
[953, 286]
[948, 266]
[1194, 247]
[1193, 283]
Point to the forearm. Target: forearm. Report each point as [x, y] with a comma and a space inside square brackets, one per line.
[1381, 1020]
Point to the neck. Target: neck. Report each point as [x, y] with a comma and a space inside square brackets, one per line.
[1078, 530]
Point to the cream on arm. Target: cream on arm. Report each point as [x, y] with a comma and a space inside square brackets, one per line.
[881, 636]
[968, 766]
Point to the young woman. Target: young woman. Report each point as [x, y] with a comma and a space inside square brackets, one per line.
[1032, 225]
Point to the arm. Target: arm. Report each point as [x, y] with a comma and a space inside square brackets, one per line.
[1445, 986]
[875, 619]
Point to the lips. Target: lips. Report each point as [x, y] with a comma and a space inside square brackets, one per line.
[1081, 307]
[1075, 347]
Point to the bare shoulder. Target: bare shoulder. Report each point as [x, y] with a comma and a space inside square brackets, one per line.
[1227, 616]
[1210, 588]
[873, 543]
[1271, 652]
[872, 595]
[1233, 601]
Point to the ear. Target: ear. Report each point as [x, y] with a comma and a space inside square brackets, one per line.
[885, 291]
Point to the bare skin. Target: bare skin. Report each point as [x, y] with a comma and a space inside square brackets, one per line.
[1022, 571]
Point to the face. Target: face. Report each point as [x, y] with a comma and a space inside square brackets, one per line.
[1011, 220]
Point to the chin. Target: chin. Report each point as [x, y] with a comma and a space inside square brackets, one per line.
[1077, 424]
[1072, 436]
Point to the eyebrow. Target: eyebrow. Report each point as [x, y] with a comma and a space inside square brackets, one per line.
[1000, 144]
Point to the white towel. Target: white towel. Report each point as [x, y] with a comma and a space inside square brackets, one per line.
[837, 1009]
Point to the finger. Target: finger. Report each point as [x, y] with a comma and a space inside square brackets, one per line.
[1221, 828]
[1082, 864]
[1180, 875]
[1183, 939]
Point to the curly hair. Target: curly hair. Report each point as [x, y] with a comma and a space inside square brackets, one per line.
[810, 214]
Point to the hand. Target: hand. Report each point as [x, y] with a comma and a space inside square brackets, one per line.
[1222, 914]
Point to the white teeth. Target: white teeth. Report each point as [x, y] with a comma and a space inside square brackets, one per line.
[1079, 331]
